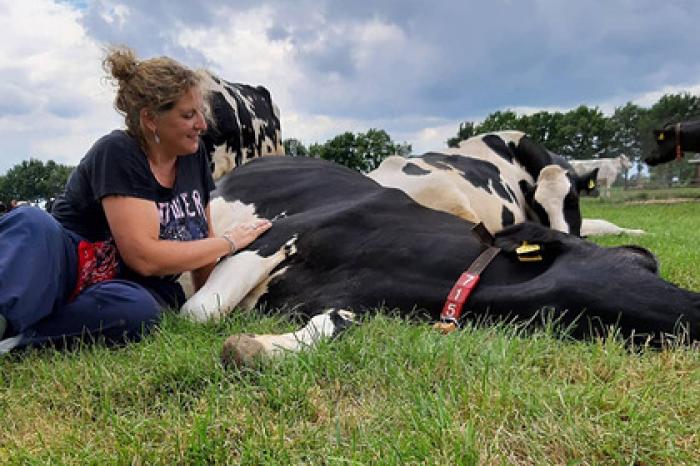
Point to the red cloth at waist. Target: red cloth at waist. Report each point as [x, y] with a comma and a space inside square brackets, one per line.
[97, 262]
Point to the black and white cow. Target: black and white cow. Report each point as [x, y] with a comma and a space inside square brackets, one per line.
[244, 124]
[341, 246]
[593, 226]
[499, 179]
[674, 139]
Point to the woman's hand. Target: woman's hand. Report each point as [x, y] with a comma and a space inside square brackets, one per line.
[245, 233]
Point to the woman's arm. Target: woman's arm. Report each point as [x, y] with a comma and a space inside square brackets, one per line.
[135, 226]
[200, 275]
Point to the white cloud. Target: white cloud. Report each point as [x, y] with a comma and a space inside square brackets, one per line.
[52, 69]
[239, 50]
[648, 99]
[414, 69]
[430, 137]
[374, 42]
[115, 14]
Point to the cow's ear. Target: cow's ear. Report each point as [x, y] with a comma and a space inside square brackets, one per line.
[548, 242]
[588, 182]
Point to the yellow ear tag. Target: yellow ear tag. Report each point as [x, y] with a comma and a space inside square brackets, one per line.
[527, 248]
[660, 137]
[526, 252]
[591, 184]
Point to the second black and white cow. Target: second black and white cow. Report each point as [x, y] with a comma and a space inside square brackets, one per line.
[499, 179]
[594, 226]
[244, 124]
[341, 246]
[674, 139]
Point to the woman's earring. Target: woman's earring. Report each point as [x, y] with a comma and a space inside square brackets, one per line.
[155, 137]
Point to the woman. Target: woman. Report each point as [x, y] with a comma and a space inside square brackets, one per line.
[134, 215]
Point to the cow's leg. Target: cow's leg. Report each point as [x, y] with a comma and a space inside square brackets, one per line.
[245, 349]
[608, 190]
[231, 280]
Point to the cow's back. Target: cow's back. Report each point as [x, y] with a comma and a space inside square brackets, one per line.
[345, 224]
[483, 180]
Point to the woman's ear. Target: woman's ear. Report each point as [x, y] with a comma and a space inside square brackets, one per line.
[148, 119]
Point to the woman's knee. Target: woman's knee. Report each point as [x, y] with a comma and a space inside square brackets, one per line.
[33, 221]
[117, 310]
[130, 302]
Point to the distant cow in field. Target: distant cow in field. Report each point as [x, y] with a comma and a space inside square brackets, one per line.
[500, 179]
[608, 170]
[674, 139]
[342, 246]
[244, 124]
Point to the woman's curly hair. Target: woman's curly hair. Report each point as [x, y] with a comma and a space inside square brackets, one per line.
[156, 84]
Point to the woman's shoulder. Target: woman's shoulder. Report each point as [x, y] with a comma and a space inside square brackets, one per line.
[118, 141]
[117, 138]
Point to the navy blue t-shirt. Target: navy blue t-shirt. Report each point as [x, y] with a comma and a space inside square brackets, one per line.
[116, 165]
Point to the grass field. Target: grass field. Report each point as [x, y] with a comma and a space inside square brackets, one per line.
[388, 392]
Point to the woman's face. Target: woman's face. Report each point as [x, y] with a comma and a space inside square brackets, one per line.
[180, 127]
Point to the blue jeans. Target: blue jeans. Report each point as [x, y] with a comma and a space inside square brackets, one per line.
[38, 272]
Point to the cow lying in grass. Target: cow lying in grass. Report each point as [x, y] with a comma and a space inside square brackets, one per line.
[500, 179]
[674, 139]
[608, 171]
[342, 246]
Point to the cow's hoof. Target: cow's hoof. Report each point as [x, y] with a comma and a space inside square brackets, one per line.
[241, 351]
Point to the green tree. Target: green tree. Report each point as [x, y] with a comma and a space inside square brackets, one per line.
[342, 149]
[543, 127]
[363, 152]
[465, 131]
[585, 132]
[499, 121]
[625, 138]
[32, 180]
[295, 148]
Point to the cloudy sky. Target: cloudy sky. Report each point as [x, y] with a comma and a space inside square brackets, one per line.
[414, 68]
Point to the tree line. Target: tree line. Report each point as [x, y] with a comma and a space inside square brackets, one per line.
[585, 133]
[33, 181]
[581, 133]
[362, 151]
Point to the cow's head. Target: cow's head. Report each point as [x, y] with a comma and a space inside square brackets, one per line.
[625, 162]
[674, 139]
[244, 123]
[586, 183]
[554, 200]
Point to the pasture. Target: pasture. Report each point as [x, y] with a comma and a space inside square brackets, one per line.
[388, 392]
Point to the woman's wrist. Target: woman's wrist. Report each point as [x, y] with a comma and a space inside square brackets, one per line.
[231, 244]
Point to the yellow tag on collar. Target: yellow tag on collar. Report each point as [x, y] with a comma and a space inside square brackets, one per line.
[526, 252]
[591, 184]
[527, 248]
